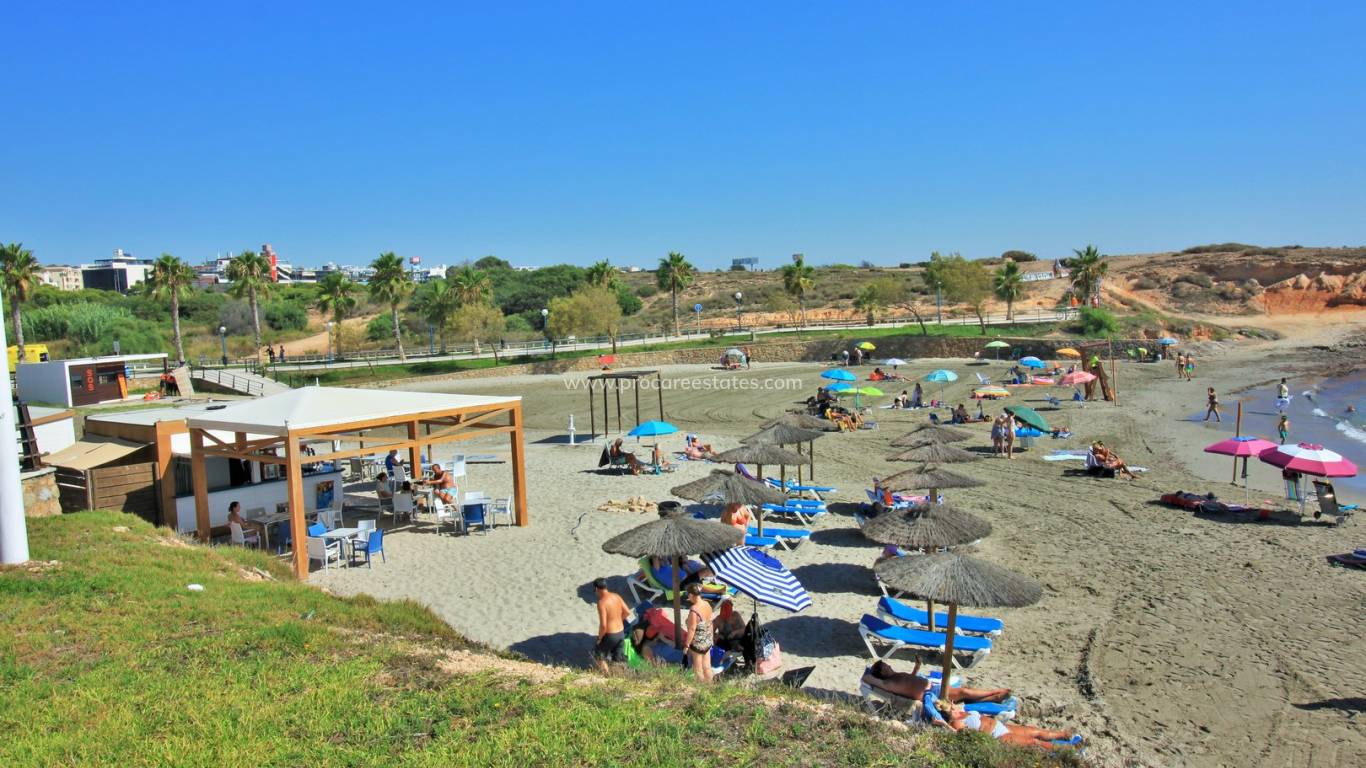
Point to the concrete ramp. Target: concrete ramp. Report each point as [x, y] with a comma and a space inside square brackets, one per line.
[238, 382]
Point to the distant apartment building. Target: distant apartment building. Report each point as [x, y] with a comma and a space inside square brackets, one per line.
[121, 272]
[61, 277]
[747, 264]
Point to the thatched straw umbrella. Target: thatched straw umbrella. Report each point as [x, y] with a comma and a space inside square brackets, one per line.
[936, 452]
[803, 421]
[760, 454]
[928, 528]
[730, 488]
[674, 535]
[933, 478]
[787, 434]
[936, 432]
[958, 580]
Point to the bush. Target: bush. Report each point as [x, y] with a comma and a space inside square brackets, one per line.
[202, 307]
[380, 328]
[1203, 281]
[1019, 256]
[1145, 284]
[518, 324]
[627, 300]
[647, 290]
[284, 317]
[1219, 248]
[82, 323]
[236, 316]
[1098, 323]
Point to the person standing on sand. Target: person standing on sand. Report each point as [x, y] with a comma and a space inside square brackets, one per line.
[1283, 428]
[1180, 365]
[612, 616]
[698, 640]
[1009, 437]
[1190, 367]
[1212, 407]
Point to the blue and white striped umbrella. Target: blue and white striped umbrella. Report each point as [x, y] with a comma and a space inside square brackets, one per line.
[760, 576]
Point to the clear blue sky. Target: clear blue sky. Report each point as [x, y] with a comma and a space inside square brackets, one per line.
[577, 131]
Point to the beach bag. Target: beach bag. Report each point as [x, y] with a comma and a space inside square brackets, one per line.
[772, 660]
[604, 459]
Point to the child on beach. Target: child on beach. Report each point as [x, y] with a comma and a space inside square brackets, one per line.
[1190, 368]
[1180, 365]
[1283, 427]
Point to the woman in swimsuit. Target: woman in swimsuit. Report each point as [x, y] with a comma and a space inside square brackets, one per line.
[954, 717]
[699, 638]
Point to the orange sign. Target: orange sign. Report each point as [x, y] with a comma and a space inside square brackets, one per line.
[89, 379]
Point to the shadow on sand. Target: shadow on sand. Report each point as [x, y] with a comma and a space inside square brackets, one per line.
[817, 637]
[573, 649]
[838, 578]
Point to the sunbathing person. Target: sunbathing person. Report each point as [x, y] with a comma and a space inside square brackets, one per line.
[902, 400]
[654, 636]
[692, 572]
[618, 455]
[737, 515]
[695, 449]
[1110, 460]
[913, 686]
[662, 463]
[954, 717]
[960, 415]
[877, 375]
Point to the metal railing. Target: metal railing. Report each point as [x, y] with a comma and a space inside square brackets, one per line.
[229, 380]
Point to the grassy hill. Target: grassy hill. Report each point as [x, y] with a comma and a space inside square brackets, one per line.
[107, 658]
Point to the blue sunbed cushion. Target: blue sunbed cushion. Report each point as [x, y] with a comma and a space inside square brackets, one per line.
[782, 533]
[911, 614]
[762, 542]
[923, 638]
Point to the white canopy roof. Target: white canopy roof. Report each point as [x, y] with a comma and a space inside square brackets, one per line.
[313, 407]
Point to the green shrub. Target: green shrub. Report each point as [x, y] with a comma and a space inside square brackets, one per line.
[380, 328]
[1097, 323]
[1145, 284]
[1019, 256]
[283, 316]
[1219, 248]
[518, 324]
[81, 323]
[628, 301]
[202, 307]
[1196, 278]
[647, 290]
[236, 317]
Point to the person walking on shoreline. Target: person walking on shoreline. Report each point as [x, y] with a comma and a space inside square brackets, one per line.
[1283, 428]
[1212, 408]
[1190, 367]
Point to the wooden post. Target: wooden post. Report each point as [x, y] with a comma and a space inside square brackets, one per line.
[294, 485]
[660, 390]
[201, 484]
[415, 453]
[617, 388]
[678, 625]
[944, 685]
[929, 608]
[1237, 431]
[811, 449]
[1114, 390]
[606, 414]
[166, 473]
[635, 386]
[592, 414]
[518, 467]
[799, 466]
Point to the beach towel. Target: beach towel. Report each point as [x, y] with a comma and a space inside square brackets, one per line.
[1073, 455]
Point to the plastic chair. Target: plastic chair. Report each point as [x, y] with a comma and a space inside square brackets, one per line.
[402, 505]
[474, 511]
[501, 507]
[323, 551]
[242, 538]
[373, 543]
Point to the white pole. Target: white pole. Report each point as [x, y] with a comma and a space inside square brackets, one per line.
[13, 526]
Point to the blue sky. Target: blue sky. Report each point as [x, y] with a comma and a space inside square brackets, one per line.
[577, 131]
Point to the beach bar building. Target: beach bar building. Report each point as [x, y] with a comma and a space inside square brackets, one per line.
[273, 430]
[83, 381]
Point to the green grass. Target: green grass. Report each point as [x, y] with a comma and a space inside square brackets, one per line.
[107, 659]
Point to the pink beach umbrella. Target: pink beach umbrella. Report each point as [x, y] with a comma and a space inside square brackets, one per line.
[1078, 377]
[1308, 459]
[1244, 447]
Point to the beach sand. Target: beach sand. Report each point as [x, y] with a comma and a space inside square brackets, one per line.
[1164, 638]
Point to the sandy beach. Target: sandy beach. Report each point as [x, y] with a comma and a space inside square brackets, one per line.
[1165, 638]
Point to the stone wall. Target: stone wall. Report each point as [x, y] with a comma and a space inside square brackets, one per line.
[40, 493]
[911, 346]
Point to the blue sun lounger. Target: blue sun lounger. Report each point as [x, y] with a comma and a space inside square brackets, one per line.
[804, 513]
[787, 538]
[967, 649]
[890, 609]
[760, 542]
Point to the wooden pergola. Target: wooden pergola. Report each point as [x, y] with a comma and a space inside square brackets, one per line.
[327, 414]
[615, 382]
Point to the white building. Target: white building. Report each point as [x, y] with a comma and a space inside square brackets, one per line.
[83, 381]
[120, 272]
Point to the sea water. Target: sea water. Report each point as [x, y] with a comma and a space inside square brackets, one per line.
[1318, 414]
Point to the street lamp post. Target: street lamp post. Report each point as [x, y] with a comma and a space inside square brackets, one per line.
[223, 337]
[545, 329]
[329, 340]
[739, 297]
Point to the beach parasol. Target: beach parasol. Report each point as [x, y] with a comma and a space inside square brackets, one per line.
[785, 432]
[958, 580]
[894, 362]
[942, 376]
[936, 432]
[867, 346]
[838, 374]
[802, 421]
[998, 345]
[1241, 446]
[674, 536]
[728, 488]
[760, 576]
[934, 451]
[1076, 377]
[857, 392]
[991, 391]
[927, 528]
[652, 429]
[1029, 416]
[1032, 362]
[1068, 352]
[839, 386]
[931, 477]
[760, 454]
[1308, 459]
[1166, 341]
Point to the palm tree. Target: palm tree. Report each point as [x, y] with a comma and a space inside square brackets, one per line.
[20, 275]
[674, 274]
[869, 301]
[471, 286]
[391, 284]
[601, 274]
[336, 297]
[1088, 267]
[1008, 284]
[437, 302]
[249, 273]
[798, 280]
[168, 278]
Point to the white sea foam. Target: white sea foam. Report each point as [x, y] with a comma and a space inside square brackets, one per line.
[1319, 412]
[1351, 431]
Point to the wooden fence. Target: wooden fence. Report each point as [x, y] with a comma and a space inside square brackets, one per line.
[127, 488]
